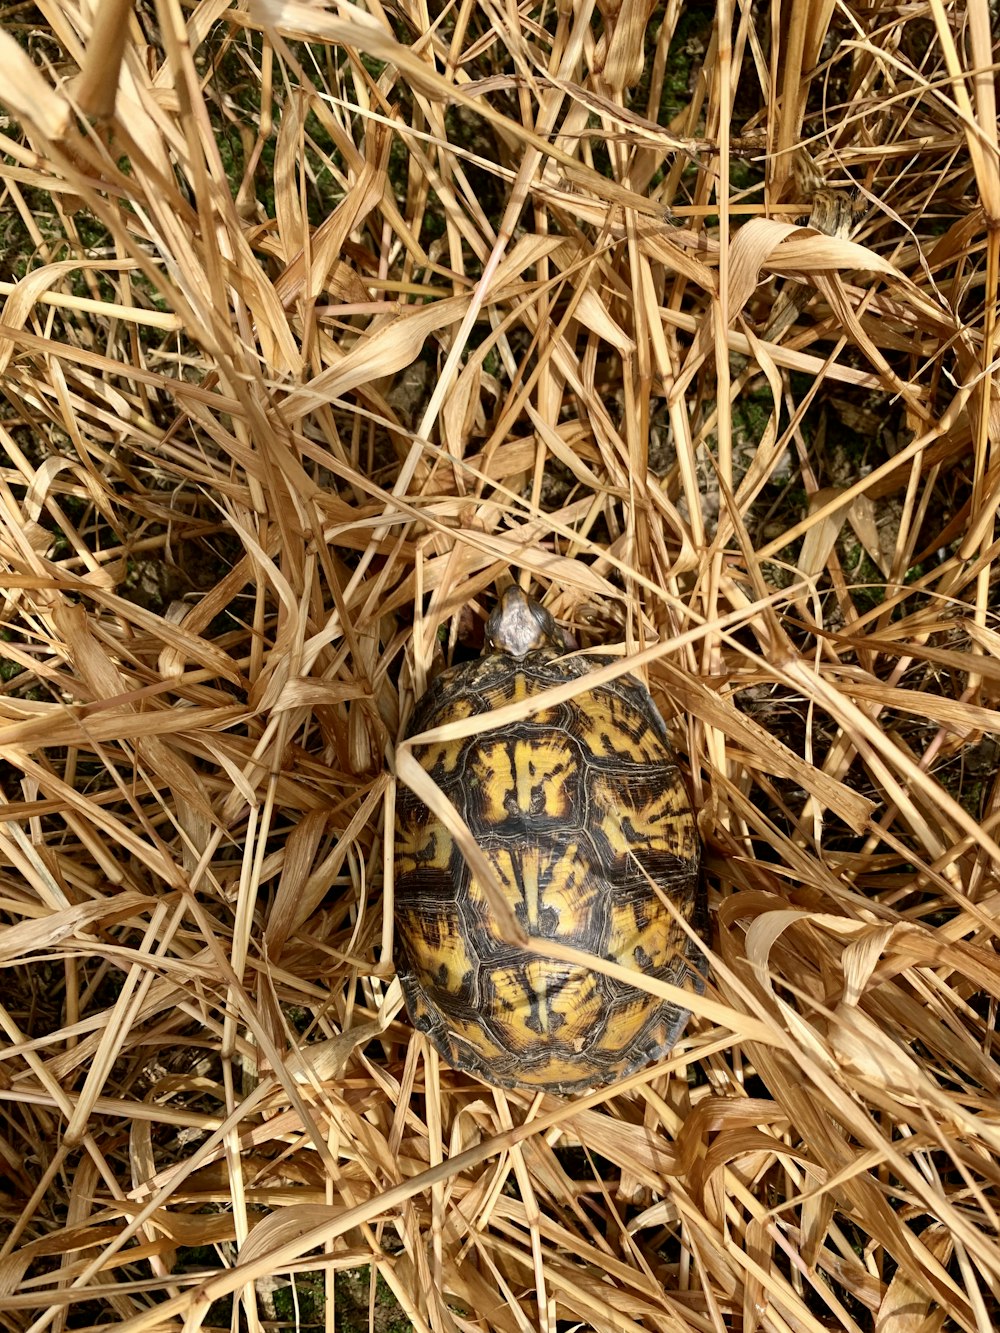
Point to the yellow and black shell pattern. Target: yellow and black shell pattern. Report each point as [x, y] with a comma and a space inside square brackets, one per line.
[573, 807]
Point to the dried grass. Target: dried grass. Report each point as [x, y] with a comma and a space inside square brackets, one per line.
[317, 323]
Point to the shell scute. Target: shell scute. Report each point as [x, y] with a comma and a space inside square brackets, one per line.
[531, 775]
[420, 844]
[642, 934]
[613, 724]
[541, 1000]
[643, 806]
[431, 930]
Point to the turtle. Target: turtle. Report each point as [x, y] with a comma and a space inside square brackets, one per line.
[583, 816]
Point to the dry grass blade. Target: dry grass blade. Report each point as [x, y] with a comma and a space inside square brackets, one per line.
[320, 322]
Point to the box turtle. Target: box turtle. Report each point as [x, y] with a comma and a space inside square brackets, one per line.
[576, 808]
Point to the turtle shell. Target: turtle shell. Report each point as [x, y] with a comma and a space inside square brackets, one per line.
[576, 808]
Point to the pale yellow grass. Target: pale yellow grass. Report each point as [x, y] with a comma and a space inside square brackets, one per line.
[318, 322]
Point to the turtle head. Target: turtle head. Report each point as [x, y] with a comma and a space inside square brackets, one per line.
[519, 626]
